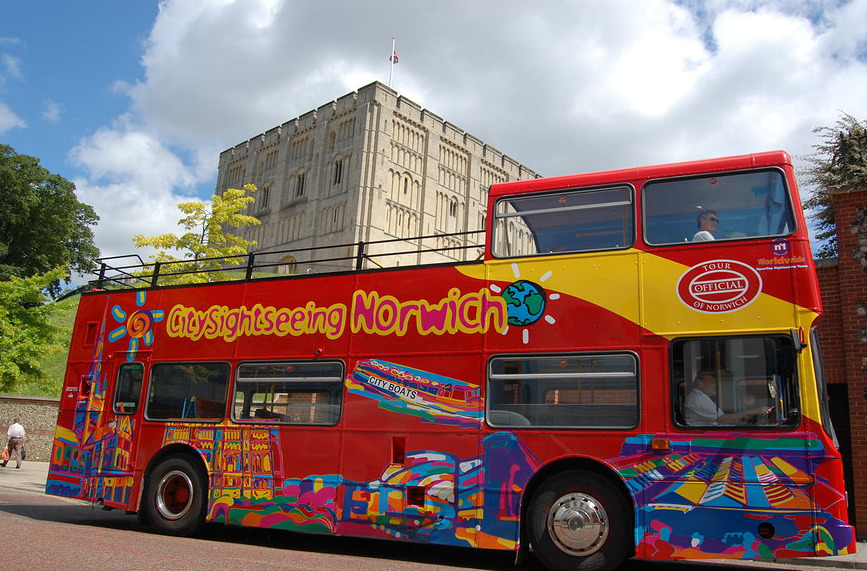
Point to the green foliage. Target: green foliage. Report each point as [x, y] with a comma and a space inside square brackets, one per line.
[839, 164]
[26, 331]
[53, 363]
[42, 224]
[205, 248]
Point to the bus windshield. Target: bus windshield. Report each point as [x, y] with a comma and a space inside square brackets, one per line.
[745, 205]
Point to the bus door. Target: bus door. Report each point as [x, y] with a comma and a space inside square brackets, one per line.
[115, 447]
[77, 413]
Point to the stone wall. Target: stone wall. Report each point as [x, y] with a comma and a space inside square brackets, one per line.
[38, 416]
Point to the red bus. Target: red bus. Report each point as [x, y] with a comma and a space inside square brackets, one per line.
[629, 369]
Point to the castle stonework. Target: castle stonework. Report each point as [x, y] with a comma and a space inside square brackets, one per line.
[370, 166]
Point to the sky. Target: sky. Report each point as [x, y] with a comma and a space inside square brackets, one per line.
[134, 100]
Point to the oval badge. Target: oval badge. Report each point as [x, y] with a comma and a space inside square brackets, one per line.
[719, 286]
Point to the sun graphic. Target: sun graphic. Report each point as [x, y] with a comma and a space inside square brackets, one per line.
[526, 301]
[138, 325]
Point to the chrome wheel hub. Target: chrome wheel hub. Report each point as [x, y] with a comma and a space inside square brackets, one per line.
[578, 524]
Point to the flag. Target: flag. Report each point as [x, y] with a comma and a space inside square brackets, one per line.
[393, 58]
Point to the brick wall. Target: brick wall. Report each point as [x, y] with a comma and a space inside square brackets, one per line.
[38, 417]
[831, 326]
[843, 330]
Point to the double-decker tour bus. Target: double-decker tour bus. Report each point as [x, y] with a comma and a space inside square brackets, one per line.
[626, 366]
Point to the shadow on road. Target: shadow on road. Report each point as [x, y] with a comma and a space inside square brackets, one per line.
[75, 512]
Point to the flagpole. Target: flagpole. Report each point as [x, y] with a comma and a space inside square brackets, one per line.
[391, 59]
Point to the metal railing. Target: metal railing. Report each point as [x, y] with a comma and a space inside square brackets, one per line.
[131, 272]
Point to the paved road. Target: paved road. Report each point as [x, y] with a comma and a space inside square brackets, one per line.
[57, 533]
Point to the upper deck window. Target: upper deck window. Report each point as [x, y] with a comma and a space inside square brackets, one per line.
[717, 207]
[566, 221]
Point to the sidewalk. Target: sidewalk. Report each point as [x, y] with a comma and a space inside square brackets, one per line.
[31, 478]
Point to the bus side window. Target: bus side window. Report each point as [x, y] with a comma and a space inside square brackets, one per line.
[187, 390]
[128, 390]
[583, 390]
[289, 392]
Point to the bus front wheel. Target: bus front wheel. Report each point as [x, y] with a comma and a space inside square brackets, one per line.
[578, 520]
[175, 497]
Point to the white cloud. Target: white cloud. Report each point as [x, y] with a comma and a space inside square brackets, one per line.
[11, 65]
[562, 86]
[51, 111]
[134, 183]
[8, 119]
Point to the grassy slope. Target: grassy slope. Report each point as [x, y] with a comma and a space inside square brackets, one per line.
[54, 364]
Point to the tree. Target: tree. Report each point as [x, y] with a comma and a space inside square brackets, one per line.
[26, 332]
[206, 248]
[42, 224]
[839, 163]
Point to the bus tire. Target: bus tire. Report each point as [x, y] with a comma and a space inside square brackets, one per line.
[578, 520]
[175, 501]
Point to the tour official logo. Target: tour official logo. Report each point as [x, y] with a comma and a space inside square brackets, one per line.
[719, 286]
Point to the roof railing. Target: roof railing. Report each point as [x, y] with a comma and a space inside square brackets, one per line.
[135, 273]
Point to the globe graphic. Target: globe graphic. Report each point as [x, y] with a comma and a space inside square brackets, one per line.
[525, 301]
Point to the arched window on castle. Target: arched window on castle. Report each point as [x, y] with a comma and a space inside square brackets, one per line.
[265, 196]
[300, 181]
[338, 172]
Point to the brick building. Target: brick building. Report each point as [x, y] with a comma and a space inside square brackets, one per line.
[843, 334]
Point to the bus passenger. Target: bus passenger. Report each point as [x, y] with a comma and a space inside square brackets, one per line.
[701, 408]
[707, 222]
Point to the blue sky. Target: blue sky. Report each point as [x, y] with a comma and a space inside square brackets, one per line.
[134, 100]
[60, 61]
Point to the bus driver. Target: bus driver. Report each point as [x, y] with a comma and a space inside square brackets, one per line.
[701, 408]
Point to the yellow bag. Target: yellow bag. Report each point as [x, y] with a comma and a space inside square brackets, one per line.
[5, 454]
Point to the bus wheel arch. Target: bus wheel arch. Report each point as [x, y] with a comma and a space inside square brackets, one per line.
[174, 499]
[578, 514]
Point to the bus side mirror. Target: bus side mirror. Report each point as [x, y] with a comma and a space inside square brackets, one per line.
[798, 340]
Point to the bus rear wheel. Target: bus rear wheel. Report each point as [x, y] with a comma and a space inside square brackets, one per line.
[175, 497]
[578, 520]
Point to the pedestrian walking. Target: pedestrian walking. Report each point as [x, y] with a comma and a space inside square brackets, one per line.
[15, 445]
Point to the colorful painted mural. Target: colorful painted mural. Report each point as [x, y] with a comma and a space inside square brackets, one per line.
[731, 486]
[431, 397]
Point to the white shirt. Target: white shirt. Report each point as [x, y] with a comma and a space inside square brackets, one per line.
[700, 409]
[703, 236]
[15, 430]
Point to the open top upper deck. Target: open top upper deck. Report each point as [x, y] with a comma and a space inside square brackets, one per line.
[748, 197]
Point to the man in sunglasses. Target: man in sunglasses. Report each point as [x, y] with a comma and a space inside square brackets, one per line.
[707, 221]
